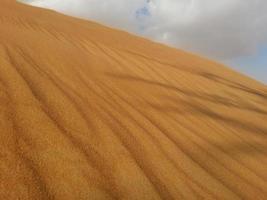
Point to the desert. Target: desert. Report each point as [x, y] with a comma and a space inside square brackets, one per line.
[91, 112]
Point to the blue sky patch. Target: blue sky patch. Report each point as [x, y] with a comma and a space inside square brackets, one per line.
[142, 12]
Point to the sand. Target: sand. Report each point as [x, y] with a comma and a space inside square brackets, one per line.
[90, 112]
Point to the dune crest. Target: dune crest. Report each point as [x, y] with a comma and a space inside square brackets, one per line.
[88, 112]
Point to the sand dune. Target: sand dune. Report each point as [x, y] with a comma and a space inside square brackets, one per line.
[88, 112]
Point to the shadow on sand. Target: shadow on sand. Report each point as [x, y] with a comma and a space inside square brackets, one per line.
[200, 109]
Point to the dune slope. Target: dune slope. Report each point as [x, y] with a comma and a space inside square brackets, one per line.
[88, 112]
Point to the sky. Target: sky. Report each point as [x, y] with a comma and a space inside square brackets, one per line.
[233, 32]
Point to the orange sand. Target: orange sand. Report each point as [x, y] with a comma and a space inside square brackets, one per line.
[89, 112]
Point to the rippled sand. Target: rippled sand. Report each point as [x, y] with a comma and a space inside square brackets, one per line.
[89, 112]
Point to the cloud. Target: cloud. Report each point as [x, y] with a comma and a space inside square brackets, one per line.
[222, 30]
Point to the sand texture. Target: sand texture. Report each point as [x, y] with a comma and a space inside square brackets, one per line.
[89, 112]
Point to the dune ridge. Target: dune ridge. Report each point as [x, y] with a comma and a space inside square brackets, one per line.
[89, 112]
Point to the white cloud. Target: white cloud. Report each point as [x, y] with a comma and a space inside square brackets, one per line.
[218, 29]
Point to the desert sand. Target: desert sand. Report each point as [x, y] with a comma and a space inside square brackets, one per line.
[90, 112]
